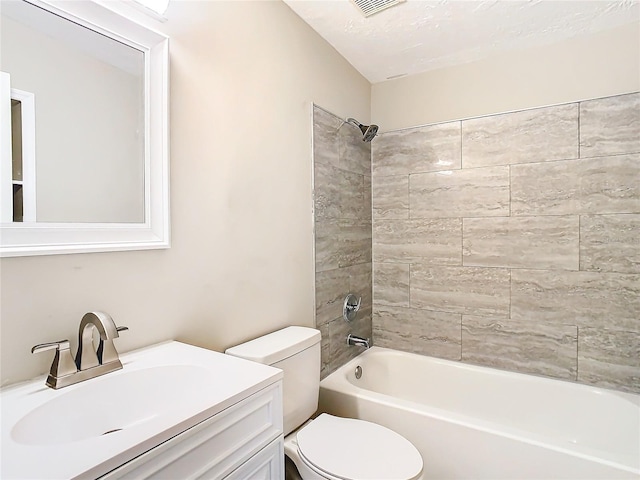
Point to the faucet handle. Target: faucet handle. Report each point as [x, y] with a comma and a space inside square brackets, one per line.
[121, 329]
[350, 307]
[59, 345]
[63, 363]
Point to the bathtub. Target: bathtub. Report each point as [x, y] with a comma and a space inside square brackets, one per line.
[473, 422]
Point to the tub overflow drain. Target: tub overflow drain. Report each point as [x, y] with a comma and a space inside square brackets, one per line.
[358, 372]
[112, 431]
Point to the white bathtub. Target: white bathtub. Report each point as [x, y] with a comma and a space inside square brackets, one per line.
[474, 422]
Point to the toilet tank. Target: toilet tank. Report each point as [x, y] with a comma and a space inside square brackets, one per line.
[296, 351]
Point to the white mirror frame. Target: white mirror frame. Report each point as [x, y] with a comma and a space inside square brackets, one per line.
[59, 238]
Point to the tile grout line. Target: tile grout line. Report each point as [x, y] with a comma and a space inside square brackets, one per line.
[409, 196]
[510, 208]
[461, 348]
[461, 165]
[579, 267]
[409, 283]
[579, 152]
[462, 241]
[510, 292]
[577, 352]
[579, 242]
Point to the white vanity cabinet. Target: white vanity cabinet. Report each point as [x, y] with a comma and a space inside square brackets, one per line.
[174, 411]
[242, 442]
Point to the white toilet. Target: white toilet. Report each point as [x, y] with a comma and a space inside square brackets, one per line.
[327, 447]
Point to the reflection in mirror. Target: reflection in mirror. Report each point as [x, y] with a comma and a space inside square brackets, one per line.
[84, 157]
[88, 92]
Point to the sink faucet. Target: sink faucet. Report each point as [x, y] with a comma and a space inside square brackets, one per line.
[358, 341]
[87, 356]
[89, 362]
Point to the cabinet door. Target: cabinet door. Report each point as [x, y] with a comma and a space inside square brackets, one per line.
[268, 464]
[215, 447]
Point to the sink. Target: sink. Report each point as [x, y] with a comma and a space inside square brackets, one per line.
[103, 408]
[88, 429]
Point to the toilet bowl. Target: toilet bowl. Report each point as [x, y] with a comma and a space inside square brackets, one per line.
[327, 447]
[336, 448]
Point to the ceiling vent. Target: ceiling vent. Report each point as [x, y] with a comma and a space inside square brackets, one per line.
[369, 7]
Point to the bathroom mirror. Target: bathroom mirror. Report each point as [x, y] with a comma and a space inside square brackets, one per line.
[83, 130]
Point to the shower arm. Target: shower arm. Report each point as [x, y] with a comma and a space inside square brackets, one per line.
[353, 121]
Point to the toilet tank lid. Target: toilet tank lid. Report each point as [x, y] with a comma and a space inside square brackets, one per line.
[276, 346]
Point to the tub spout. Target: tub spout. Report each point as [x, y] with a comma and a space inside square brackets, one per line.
[357, 341]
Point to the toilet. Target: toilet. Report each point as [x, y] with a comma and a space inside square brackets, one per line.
[327, 447]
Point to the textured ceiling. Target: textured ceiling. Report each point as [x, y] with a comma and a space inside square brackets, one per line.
[421, 35]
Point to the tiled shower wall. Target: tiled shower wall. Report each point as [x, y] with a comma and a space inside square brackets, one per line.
[513, 241]
[342, 214]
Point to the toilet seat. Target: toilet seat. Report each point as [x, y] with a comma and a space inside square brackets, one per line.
[351, 449]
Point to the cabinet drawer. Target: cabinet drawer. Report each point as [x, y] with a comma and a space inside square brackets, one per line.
[268, 464]
[215, 447]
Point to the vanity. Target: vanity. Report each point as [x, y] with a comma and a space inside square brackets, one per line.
[173, 411]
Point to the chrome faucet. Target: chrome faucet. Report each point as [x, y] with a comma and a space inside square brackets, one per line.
[89, 362]
[87, 356]
[358, 341]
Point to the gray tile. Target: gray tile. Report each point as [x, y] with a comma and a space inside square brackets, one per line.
[609, 359]
[610, 243]
[591, 299]
[436, 241]
[339, 194]
[478, 192]
[521, 242]
[422, 149]
[341, 243]
[339, 352]
[390, 196]
[366, 182]
[325, 357]
[361, 283]
[325, 137]
[331, 288]
[355, 155]
[594, 185]
[391, 285]
[417, 331]
[538, 135]
[328, 249]
[355, 242]
[609, 126]
[465, 290]
[326, 191]
[527, 347]
[353, 201]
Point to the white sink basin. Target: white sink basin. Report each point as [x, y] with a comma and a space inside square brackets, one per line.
[109, 406]
[90, 428]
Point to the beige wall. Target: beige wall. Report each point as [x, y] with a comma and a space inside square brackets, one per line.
[604, 64]
[243, 76]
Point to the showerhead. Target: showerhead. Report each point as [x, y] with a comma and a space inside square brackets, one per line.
[368, 131]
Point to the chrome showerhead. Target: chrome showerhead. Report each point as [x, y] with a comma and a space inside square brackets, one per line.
[368, 131]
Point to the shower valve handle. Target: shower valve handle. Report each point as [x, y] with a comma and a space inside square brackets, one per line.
[350, 307]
